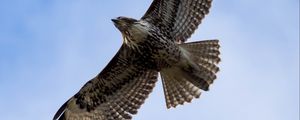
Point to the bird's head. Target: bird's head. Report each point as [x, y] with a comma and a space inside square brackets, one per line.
[124, 23]
[132, 30]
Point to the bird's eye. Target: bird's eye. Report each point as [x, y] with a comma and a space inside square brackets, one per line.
[119, 17]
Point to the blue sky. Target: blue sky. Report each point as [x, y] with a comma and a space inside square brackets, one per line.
[49, 49]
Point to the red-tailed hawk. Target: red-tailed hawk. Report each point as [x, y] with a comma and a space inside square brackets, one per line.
[153, 44]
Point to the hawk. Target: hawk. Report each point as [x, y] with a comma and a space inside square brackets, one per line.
[153, 44]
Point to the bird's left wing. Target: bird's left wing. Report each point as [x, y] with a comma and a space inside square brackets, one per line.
[179, 18]
[115, 94]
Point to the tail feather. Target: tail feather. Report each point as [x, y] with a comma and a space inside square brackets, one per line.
[189, 90]
[206, 55]
[169, 92]
[208, 65]
[177, 91]
[182, 93]
[194, 73]
[207, 50]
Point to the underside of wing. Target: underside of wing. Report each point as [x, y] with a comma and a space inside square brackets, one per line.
[115, 94]
[179, 17]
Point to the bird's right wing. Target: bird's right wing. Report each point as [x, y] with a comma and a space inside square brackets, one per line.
[115, 94]
[180, 18]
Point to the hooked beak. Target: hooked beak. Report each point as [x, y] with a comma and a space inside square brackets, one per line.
[118, 24]
[115, 21]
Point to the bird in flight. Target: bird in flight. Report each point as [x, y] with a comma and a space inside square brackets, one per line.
[154, 44]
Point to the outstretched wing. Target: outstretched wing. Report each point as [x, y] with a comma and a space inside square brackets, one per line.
[115, 94]
[180, 18]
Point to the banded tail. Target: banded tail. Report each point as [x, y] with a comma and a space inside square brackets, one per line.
[195, 72]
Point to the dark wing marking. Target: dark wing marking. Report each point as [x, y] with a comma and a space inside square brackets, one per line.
[179, 17]
[115, 94]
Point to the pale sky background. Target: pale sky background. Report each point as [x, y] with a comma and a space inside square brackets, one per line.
[50, 48]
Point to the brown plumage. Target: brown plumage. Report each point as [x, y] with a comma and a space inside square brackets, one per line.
[182, 84]
[118, 91]
[180, 17]
[150, 45]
